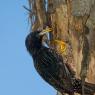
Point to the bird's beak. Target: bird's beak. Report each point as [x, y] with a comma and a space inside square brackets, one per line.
[44, 31]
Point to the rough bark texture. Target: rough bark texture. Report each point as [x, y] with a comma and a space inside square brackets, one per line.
[71, 21]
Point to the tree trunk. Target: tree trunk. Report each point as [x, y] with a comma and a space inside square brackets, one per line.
[72, 21]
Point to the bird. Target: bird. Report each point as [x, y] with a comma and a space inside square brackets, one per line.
[51, 67]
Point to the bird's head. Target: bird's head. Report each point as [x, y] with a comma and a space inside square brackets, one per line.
[34, 39]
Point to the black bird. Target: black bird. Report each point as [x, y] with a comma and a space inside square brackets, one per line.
[51, 67]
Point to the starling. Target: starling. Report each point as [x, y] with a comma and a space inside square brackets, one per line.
[51, 67]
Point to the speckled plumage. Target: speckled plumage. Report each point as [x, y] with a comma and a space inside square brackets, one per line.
[51, 67]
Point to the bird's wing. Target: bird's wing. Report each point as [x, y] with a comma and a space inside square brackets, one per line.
[65, 66]
[55, 62]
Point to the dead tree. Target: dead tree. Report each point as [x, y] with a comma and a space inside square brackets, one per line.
[72, 21]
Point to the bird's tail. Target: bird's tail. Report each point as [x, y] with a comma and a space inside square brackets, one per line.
[89, 88]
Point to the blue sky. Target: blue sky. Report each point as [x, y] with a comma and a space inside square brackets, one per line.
[17, 74]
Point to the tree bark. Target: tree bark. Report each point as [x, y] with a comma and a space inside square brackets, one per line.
[72, 21]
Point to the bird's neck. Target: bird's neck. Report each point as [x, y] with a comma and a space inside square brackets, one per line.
[36, 48]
